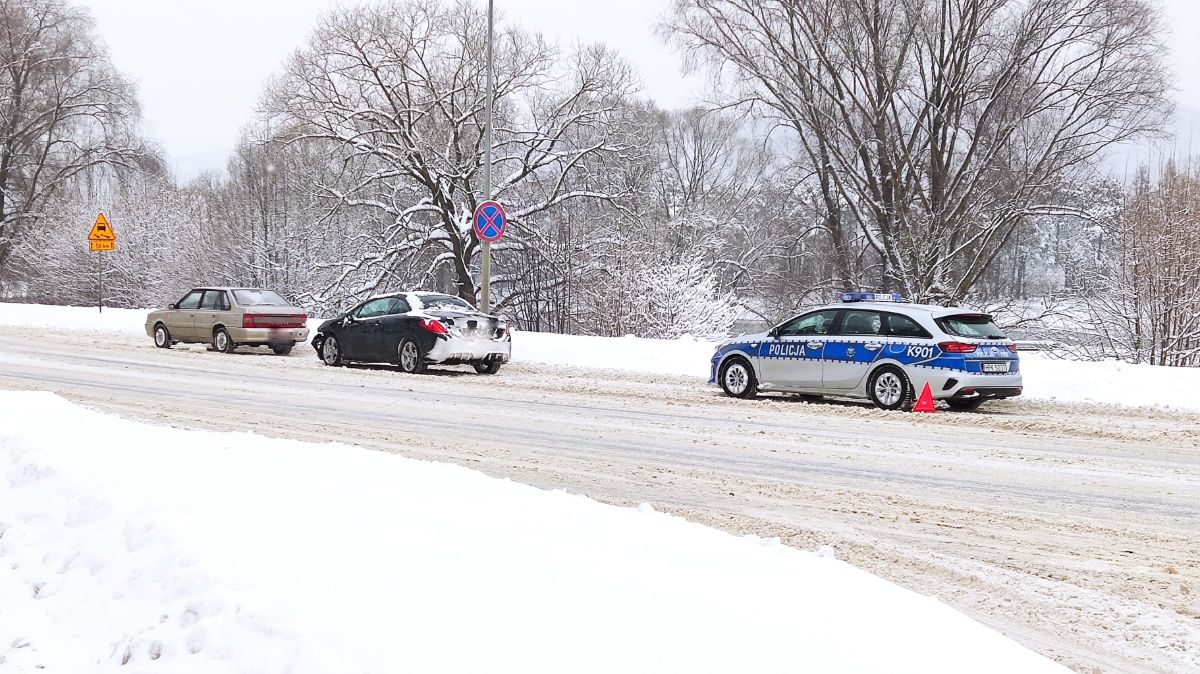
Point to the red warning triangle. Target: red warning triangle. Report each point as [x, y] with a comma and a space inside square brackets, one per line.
[925, 402]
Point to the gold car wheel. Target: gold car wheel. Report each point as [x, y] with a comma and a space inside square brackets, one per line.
[222, 341]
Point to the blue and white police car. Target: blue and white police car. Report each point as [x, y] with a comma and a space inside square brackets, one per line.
[875, 346]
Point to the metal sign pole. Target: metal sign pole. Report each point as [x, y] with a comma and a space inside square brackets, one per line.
[100, 299]
[486, 293]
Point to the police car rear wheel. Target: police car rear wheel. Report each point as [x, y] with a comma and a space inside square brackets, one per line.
[889, 389]
[738, 380]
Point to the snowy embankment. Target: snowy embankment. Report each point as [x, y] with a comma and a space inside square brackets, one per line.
[1046, 378]
[185, 551]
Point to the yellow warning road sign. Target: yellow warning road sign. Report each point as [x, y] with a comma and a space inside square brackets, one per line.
[102, 231]
[102, 245]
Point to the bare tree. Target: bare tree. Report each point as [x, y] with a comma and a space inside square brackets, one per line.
[395, 92]
[938, 125]
[63, 109]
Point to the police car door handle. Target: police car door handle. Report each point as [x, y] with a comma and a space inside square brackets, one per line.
[815, 345]
[872, 346]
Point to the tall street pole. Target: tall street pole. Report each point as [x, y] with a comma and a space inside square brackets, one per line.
[486, 293]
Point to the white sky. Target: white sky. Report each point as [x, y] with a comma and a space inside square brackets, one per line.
[200, 64]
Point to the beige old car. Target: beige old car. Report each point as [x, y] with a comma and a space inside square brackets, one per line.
[228, 318]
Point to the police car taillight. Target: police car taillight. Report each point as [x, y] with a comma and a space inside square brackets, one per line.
[956, 347]
[1013, 347]
[872, 297]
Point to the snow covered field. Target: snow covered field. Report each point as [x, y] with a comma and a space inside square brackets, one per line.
[1046, 378]
[193, 551]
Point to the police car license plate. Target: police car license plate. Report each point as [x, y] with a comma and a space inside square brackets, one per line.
[995, 367]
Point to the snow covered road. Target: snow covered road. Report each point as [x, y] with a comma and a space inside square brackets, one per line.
[1074, 529]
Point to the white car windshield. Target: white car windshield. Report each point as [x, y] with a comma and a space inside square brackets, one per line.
[444, 302]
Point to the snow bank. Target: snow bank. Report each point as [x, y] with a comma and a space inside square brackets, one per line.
[79, 319]
[1110, 382]
[1046, 378]
[189, 551]
[684, 356]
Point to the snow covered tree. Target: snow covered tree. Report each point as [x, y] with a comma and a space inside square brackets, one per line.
[63, 111]
[1144, 301]
[395, 92]
[164, 245]
[937, 125]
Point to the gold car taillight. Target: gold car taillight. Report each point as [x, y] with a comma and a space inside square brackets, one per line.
[272, 321]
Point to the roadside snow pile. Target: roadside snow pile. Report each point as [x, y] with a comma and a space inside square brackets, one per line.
[1109, 382]
[1046, 378]
[78, 319]
[190, 551]
[684, 356]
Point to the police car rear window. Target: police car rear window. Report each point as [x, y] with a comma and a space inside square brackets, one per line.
[903, 326]
[972, 326]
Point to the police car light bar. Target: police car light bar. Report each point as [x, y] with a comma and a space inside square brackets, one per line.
[872, 297]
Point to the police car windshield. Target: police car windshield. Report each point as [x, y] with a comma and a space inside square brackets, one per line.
[972, 326]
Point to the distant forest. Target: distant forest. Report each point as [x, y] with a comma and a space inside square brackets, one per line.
[952, 151]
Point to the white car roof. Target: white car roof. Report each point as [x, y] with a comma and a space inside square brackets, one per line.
[414, 293]
[934, 311]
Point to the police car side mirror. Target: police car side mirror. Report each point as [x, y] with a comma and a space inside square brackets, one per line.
[773, 333]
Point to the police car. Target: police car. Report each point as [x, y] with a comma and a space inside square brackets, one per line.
[875, 346]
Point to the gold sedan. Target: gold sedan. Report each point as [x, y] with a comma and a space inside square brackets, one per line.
[228, 318]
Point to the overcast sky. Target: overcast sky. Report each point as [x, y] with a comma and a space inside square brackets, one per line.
[200, 64]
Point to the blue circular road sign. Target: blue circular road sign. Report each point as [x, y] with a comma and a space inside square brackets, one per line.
[490, 221]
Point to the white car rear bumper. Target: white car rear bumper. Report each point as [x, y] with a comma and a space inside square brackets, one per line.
[461, 350]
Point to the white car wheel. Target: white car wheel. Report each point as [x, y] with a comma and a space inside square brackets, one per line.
[331, 352]
[409, 355]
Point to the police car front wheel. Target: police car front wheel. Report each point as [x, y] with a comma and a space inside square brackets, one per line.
[889, 388]
[738, 380]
